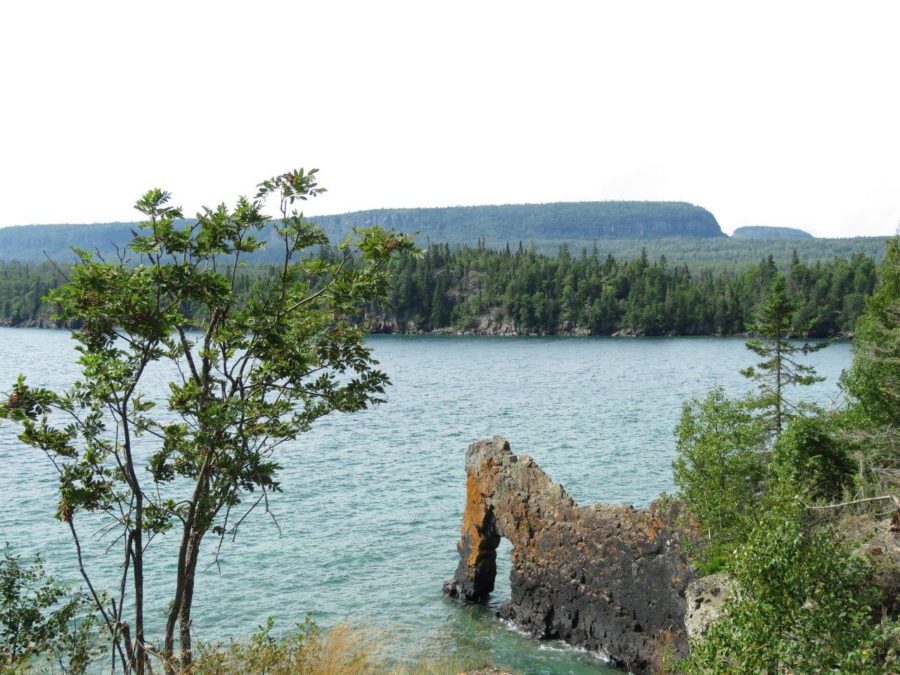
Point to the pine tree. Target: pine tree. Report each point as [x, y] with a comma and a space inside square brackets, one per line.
[780, 367]
[873, 381]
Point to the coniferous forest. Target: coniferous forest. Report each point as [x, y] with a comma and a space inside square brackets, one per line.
[522, 291]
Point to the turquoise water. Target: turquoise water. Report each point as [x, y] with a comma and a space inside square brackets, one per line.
[372, 502]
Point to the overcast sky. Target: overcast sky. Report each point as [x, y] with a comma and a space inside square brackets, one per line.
[776, 113]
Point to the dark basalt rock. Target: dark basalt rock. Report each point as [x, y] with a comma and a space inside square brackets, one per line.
[611, 579]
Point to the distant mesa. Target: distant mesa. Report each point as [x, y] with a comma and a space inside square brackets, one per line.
[765, 232]
[582, 221]
[548, 225]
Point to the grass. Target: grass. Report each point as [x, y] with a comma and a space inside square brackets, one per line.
[344, 649]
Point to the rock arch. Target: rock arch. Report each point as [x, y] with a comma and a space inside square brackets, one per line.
[608, 578]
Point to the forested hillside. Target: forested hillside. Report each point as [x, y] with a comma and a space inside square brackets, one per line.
[520, 290]
[34, 243]
[497, 225]
[37, 243]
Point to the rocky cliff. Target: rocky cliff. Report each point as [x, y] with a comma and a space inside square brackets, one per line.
[611, 579]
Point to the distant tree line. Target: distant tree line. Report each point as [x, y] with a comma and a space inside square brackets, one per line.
[520, 290]
[478, 288]
[22, 286]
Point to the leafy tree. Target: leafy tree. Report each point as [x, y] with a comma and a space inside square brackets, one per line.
[780, 367]
[255, 371]
[41, 617]
[803, 606]
[719, 468]
[804, 603]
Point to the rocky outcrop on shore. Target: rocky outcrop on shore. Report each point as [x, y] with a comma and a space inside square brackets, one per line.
[42, 322]
[486, 325]
[611, 579]
[706, 598]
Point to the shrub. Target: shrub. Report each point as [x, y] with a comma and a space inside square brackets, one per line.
[719, 470]
[803, 606]
[808, 454]
[41, 619]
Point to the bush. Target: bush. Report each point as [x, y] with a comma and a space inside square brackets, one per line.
[803, 606]
[40, 619]
[808, 454]
[719, 470]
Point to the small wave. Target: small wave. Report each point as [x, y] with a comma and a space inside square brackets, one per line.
[556, 645]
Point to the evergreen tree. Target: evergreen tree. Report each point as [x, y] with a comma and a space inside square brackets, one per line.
[873, 381]
[780, 367]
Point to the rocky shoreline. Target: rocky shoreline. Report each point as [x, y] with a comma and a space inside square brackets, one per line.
[488, 330]
[509, 330]
[43, 322]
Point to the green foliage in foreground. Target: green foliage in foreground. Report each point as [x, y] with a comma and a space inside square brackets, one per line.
[719, 445]
[781, 367]
[40, 619]
[805, 602]
[303, 650]
[803, 606]
[873, 381]
[810, 453]
[344, 649]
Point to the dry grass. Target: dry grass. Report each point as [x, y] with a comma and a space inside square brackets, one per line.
[345, 649]
[342, 650]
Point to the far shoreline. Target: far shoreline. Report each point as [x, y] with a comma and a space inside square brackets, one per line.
[467, 332]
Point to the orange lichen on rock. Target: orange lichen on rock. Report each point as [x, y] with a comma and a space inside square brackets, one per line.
[473, 518]
[605, 577]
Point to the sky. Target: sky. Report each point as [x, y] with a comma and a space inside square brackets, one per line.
[765, 113]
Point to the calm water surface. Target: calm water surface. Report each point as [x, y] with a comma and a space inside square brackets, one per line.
[372, 502]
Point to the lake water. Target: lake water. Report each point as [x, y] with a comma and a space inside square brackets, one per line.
[372, 502]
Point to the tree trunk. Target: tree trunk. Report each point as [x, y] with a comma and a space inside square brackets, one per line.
[778, 340]
[169, 646]
[137, 553]
[187, 600]
[140, 659]
[184, 587]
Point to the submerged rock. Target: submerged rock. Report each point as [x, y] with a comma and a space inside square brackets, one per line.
[611, 579]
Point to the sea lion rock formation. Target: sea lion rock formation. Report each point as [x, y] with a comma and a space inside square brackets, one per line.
[611, 579]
